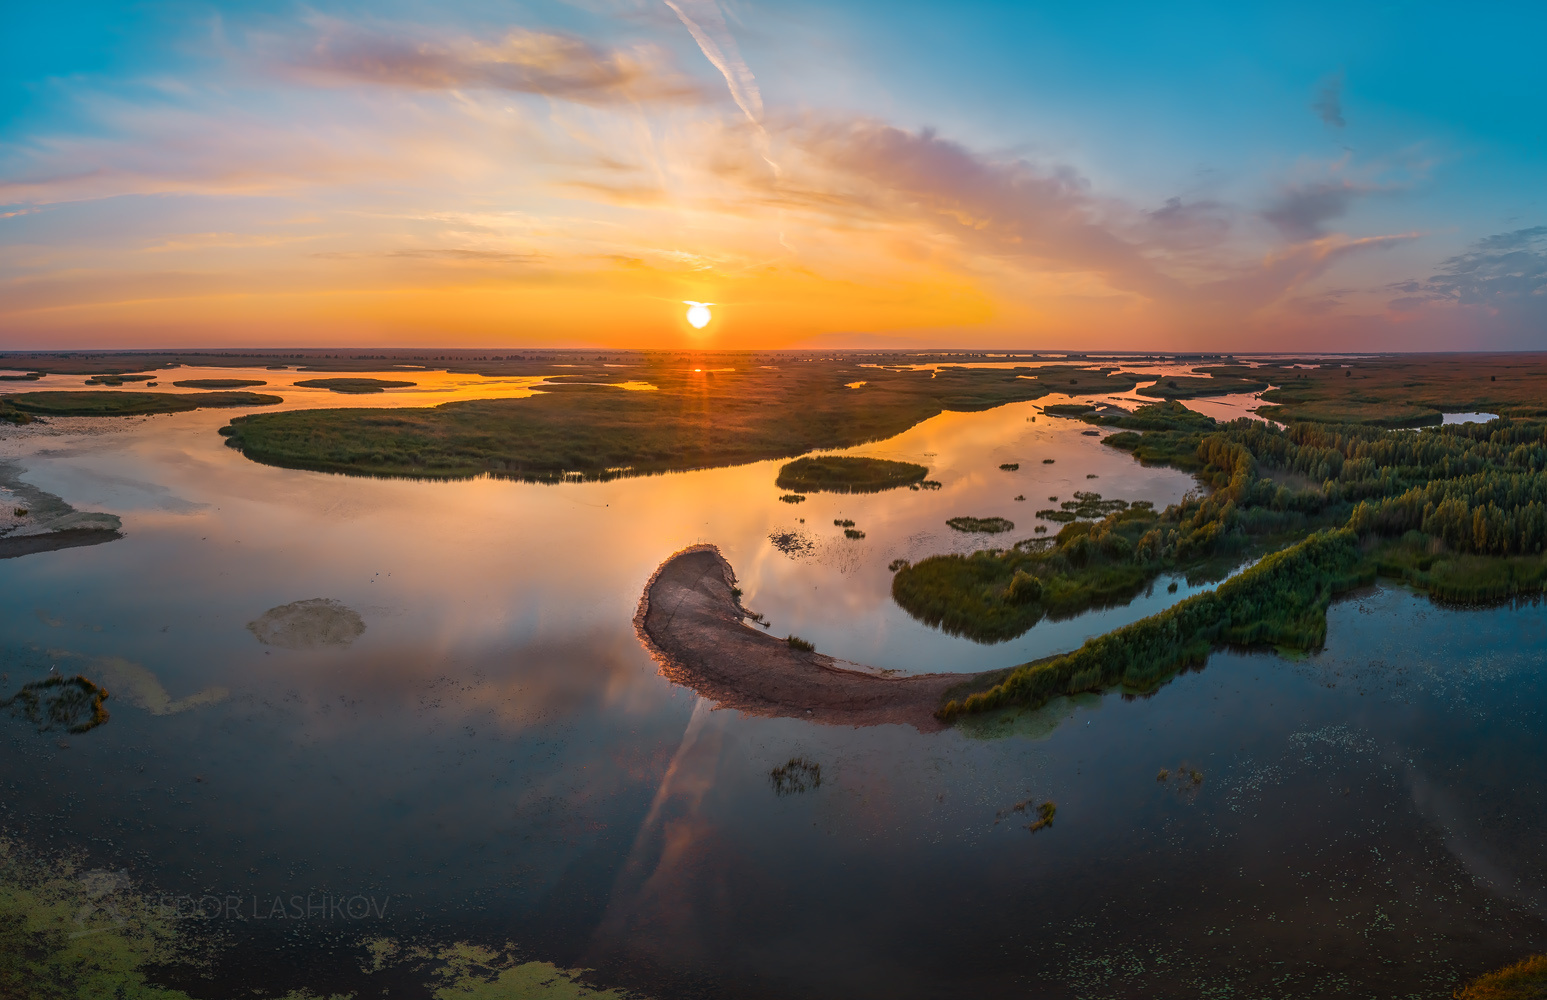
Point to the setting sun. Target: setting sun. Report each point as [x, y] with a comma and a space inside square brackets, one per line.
[698, 314]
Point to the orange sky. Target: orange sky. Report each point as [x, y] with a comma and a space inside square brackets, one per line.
[326, 181]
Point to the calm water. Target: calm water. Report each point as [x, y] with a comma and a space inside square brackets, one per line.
[497, 756]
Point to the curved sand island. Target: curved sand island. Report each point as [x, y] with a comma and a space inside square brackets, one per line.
[696, 629]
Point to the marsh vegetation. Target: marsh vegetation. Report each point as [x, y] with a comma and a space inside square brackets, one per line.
[73, 704]
[982, 525]
[749, 414]
[356, 385]
[1460, 511]
[218, 383]
[795, 776]
[848, 474]
[86, 403]
[1524, 980]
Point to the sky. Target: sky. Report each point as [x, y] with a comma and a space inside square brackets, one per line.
[851, 173]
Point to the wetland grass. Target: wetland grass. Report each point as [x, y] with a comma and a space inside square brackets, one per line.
[87, 403]
[218, 383]
[1525, 980]
[597, 430]
[848, 474]
[795, 776]
[983, 525]
[356, 385]
[1189, 387]
[1458, 511]
[73, 704]
[795, 642]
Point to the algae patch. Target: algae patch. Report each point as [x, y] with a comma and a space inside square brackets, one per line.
[465, 971]
[68, 931]
[309, 624]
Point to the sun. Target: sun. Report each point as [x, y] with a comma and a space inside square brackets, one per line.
[698, 313]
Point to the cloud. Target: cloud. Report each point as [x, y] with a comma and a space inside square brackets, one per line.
[527, 62]
[1328, 104]
[1302, 210]
[1497, 272]
[706, 24]
[1011, 208]
[1187, 225]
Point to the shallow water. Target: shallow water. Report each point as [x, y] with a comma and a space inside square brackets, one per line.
[496, 757]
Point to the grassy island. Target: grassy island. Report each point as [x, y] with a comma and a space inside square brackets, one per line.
[572, 429]
[96, 403]
[844, 474]
[984, 525]
[218, 383]
[1191, 387]
[1459, 511]
[355, 385]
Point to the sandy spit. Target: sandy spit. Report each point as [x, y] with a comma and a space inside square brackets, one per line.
[696, 630]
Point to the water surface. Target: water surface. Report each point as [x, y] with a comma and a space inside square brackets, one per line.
[497, 755]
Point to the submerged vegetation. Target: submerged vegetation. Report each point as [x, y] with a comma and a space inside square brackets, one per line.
[847, 474]
[1460, 511]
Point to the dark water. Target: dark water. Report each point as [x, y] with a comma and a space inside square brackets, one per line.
[495, 759]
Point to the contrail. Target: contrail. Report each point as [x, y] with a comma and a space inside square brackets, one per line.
[707, 25]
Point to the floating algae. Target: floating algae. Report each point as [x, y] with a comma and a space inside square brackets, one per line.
[66, 931]
[308, 625]
[73, 703]
[466, 971]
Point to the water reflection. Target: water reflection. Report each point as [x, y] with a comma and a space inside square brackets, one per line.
[496, 752]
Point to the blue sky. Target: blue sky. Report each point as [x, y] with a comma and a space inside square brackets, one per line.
[1173, 176]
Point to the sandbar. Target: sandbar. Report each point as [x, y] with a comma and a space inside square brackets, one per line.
[695, 628]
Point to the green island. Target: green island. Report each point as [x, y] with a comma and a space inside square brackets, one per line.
[845, 474]
[118, 379]
[1458, 511]
[575, 428]
[21, 407]
[218, 383]
[982, 525]
[355, 385]
[1190, 387]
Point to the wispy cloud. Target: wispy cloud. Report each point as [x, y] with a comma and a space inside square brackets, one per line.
[1497, 272]
[706, 24]
[528, 62]
[1328, 104]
